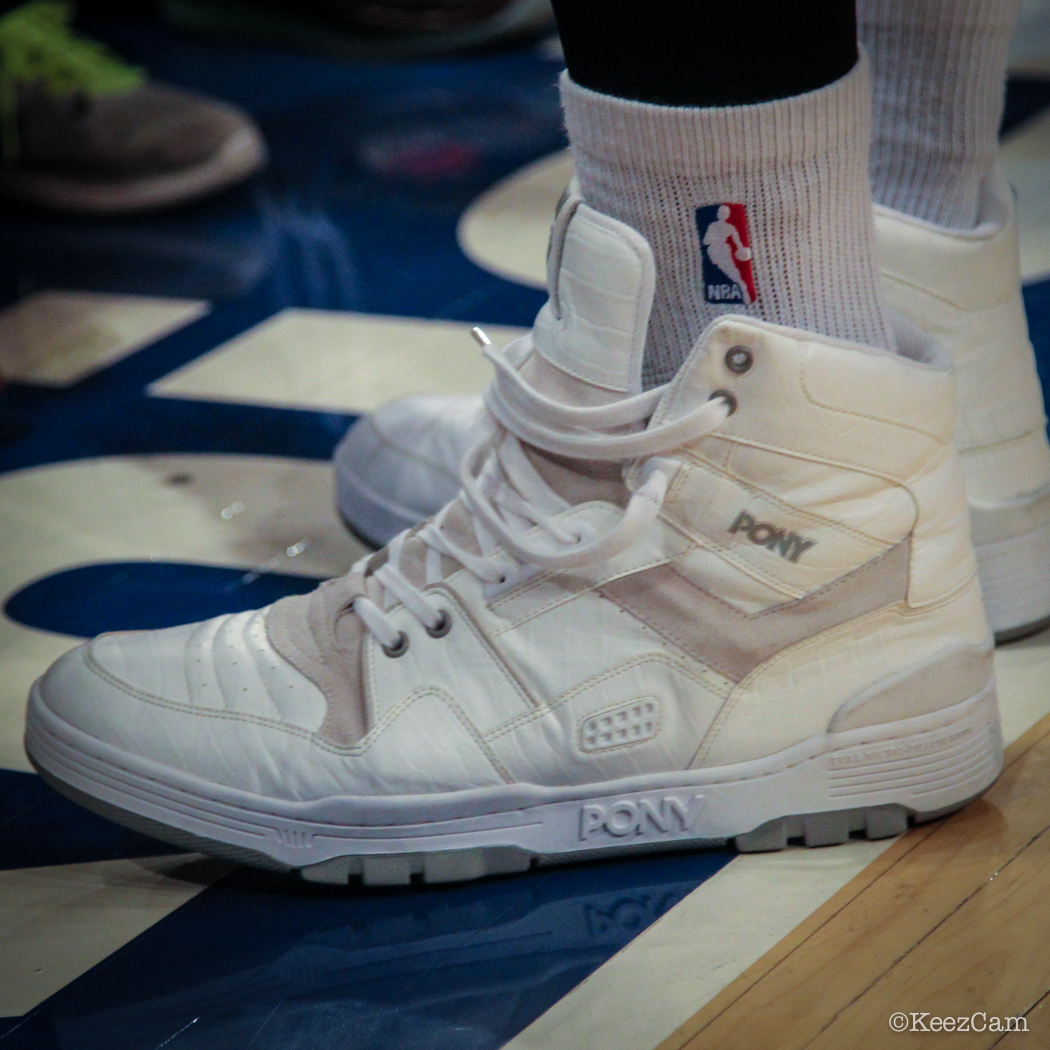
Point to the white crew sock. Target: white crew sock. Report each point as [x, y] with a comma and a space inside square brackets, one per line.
[939, 71]
[798, 166]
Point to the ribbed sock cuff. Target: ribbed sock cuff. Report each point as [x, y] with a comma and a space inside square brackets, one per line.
[795, 172]
[939, 71]
[678, 140]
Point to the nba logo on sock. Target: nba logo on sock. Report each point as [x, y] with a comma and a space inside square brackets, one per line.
[725, 248]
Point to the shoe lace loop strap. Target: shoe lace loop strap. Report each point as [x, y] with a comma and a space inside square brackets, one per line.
[510, 503]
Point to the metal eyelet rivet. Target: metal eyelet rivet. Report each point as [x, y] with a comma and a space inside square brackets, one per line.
[399, 648]
[442, 627]
[739, 359]
[727, 397]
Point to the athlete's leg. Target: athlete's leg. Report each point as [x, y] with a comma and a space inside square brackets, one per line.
[756, 104]
[948, 238]
[709, 104]
[697, 53]
[938, 69]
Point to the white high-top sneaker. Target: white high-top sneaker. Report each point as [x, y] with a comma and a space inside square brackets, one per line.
[742, 606]
[964, 288]
[398, 466]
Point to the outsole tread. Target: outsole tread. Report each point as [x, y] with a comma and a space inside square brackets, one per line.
[811, 830]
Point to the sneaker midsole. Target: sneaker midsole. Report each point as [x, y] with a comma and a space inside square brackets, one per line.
[926, 764]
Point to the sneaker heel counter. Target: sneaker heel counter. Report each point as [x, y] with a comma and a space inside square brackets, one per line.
[963, 288]
[950, 677]
[943, 562]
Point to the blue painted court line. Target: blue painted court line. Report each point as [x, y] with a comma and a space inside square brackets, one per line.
[270, 962]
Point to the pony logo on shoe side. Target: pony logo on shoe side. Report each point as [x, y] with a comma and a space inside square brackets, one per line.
[670, 815]
[788, 545]
[725, 248]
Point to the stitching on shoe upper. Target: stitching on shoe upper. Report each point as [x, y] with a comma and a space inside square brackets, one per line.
[701, 461]
[310, 736]
[766, 575]
[369, 653]
[675, 639]
[701, 677]
[697, 542]
[559, 325]
[364, 745]
[900, 609]
[480, 635]
[208, 712]
[817, 403]
[850, 627]
[742, 640]
[838, 464]
[637, 351]
[791, 592]
[586, 587]
[523, 588]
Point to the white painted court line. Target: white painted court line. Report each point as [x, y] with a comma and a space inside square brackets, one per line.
[56, 338]
[667, 973]
[57, 922]
[345, 362]
[505, 230]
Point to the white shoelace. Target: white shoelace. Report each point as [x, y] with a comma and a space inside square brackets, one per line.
[515, 514]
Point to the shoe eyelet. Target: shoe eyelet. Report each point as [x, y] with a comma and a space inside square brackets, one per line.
[442, 627]
[739, 359]
[727, 397]
[399, 648]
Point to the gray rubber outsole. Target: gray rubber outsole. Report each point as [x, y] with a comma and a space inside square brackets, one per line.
[401, 869]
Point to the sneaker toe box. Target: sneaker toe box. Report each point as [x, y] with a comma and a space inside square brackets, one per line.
[204, 698]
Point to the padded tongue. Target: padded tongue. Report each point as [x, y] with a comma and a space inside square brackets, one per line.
[589, 338]
[591, 332]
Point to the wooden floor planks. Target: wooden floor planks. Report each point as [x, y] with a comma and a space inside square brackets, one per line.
[953, 918]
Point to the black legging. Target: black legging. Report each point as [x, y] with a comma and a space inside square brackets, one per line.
[707, 52]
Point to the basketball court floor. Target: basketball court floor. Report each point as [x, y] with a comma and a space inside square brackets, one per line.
[174, 387]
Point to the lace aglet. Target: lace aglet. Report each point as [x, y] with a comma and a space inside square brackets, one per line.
[480, 337]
